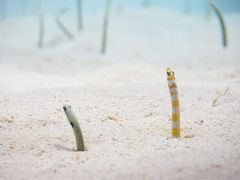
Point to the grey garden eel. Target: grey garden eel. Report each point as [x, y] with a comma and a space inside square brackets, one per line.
[76, 127]
[61, 26]
[105, 26]
[79, 15]
[41, 24]
[222, 23]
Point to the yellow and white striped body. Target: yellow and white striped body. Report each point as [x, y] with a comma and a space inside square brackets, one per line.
[175, 103]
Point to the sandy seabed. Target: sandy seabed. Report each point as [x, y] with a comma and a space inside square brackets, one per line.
[121, 98]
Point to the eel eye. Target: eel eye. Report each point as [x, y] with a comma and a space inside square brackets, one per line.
[170, 73]
[64, 108]
[72, 124]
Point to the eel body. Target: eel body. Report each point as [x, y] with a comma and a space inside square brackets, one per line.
[176, 131]
[76, 127]
[105, 26]
[41, 24]
[61, 26]
[222, 23]
[79, 15]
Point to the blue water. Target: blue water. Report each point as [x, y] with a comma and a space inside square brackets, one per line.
[14, 8]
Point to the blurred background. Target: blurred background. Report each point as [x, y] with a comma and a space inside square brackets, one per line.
[154, 31]
[13, 8]
[112, 70]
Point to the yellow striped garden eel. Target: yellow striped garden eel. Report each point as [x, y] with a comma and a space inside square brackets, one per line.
[176, 131]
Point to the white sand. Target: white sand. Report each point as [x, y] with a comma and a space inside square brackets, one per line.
[121, 99]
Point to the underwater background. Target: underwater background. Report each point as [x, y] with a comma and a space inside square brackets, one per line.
[113, 73]
[15, 8]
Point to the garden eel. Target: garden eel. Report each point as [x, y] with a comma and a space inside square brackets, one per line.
[105, 26]
[79, 15]
[41, 24]
[61, 26]
[76, 127]
[222, 23]
[176, 131]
